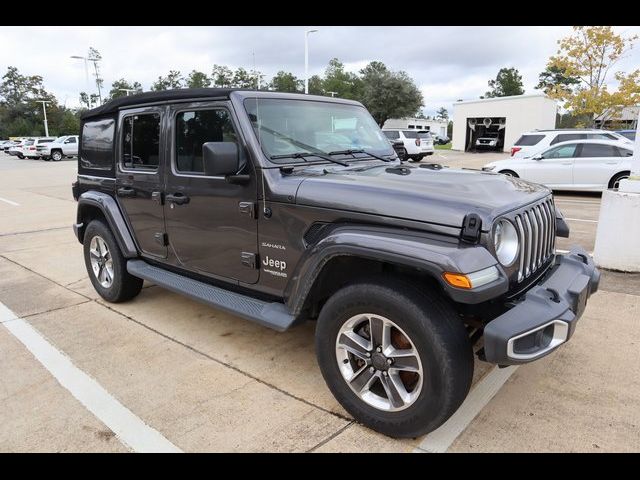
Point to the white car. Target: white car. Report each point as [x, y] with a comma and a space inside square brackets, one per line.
[417, 143]
[535, 141]
[34, 148]
[65, 146]
[586, 165]
[16, 149]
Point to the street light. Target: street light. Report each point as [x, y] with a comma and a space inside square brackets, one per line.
[333, 94]
[306, 59]
[127, 90]
[95, 66]
[44, 110]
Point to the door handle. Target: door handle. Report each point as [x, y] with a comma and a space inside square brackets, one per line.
[177, 198]
[126, 192]
[567, 163]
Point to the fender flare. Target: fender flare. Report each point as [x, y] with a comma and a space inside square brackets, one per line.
[433, 254]
[109, 208]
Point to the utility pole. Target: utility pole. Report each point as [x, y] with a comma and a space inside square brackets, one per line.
[44, 110]
[306, 59]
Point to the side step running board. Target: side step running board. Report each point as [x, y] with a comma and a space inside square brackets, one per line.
[269, 314]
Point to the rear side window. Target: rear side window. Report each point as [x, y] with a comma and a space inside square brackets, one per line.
[425, 135]
[528, 140]
[601, 136]
[141, 141]
[45, 141]
[567, 137]
[391, 135]
[629, 135]
[97, 144]
[410, 134]
[598, 150]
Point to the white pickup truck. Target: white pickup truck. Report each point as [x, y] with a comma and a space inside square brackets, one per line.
[65, 146]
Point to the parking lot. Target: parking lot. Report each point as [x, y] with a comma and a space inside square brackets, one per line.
[203, 380]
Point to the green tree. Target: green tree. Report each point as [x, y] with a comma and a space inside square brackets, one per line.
[222, 76]
[388, 94]
[16, 89]
[243, 79]
[286, 82]
[442, 114]
[198, 79]
[119, 87]
[316, 85]
[555, 79]
[173, 80]
[508, 82]
[344, 84]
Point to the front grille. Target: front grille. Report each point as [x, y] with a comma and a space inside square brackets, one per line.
[537, 233]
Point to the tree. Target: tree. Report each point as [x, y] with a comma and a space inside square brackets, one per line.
[17, 89]
[286, 82]
[119, 87]
[94, 56]
[555, 79]
[316, 85]
[508, 82]
[243, 79]
[172, 80]
[198, 80]
[222, 76]
[388, 94]
[442, 114]
[343, 84]
[588, 55]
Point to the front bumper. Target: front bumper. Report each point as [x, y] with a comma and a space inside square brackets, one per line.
[546, 316]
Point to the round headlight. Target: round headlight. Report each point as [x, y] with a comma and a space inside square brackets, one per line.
[505, 241]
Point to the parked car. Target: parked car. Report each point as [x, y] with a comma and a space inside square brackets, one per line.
[587, 165]
[35, 148]
[7, 145]
[65, 146]
[269, 214]
[417, 143]
[16, 149]
[535, 141]
[440, 139]
[489, 141]
[630, 134]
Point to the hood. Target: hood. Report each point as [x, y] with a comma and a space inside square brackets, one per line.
[441, 196]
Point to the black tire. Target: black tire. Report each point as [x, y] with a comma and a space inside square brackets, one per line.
[56, 155]
[405, 155]
[46, 159]
[124, 286]
[20, 156]
[438, 335]
[429, 153]
[613, 183]
[416, 158]
[509, 173]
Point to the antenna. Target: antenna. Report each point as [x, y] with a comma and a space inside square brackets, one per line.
[264, 190]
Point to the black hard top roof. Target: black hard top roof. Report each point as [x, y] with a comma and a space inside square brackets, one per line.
[193, 93]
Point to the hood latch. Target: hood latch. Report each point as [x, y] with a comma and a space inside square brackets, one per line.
[471, 227]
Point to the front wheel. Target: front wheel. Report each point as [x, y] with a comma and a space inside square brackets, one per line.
[396, 357]
[56, 155]
[509, 173]
[614, 183]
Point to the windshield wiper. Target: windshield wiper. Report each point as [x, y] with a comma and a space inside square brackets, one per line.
[352, 152]
[304, 155]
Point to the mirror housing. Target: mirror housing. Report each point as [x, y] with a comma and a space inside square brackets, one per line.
[537, 157]
[220, 158]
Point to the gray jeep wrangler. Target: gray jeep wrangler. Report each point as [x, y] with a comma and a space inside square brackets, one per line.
[282, 208]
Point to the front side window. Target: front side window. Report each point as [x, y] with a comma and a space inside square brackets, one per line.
[194, 129]
[141, 141]
[71, 140]
[565, 151]
[285, 127]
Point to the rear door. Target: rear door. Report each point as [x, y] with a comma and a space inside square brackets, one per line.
[139, 177]
[555, 168]
[211, 223]
[595, 165]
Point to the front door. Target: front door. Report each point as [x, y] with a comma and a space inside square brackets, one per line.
[555, 168]
[139, 178]
[211, 223]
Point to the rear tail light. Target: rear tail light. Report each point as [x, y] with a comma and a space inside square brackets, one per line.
[514, 150]
[417, 142]
[32, 148]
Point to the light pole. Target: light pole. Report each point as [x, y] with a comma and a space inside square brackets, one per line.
[95, 66]
[306, 59]
[127, 90]
[44, 110]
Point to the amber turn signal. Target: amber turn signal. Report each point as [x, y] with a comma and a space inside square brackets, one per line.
[457, 280]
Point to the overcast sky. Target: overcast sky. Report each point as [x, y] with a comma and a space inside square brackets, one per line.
[447, 63]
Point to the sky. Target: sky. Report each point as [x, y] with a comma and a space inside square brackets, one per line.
[446, 63]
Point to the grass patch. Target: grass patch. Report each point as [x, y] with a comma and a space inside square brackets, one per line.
[443, 147]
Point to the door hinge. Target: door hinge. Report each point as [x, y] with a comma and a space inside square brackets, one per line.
[157, 197]
[247, 208]
[161, 238]
[471, 226]
[249, 259]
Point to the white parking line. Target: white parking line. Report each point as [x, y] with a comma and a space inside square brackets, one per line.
[10, 202]
[129, 428]
[559, 250]
[441, 439]
[580, 220]
[566, 200]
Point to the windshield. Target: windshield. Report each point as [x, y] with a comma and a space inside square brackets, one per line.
[284, 126]
[59, 139]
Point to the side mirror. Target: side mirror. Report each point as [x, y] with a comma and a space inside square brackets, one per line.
[220, 158]
[537, 157]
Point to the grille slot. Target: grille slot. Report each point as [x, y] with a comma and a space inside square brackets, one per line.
[537, 234]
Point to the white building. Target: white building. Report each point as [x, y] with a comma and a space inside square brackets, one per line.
[627, 118]
[436, 126]
[506, 117]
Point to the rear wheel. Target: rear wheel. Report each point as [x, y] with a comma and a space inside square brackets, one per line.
[106, 266]
[396, 357]
[56, 155]
[614, 183]
[509, 173]
[20, 156]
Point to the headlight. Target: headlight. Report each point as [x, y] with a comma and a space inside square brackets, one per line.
[505, 241]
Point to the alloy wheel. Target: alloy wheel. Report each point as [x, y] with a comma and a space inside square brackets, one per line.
[101, 261]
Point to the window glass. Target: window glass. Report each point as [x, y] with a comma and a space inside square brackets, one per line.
[624, 152]
[528, 140]
[97, 144]
[195, 128]
[601, 136]
[411, 126]
[567, 137]
[29, 143]
[598, 150]
[141, 141]
[71, 140]
[46, 140]
[425, 135]
[409, 134]
[564, 151]
[629, 135]
[391, 135]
